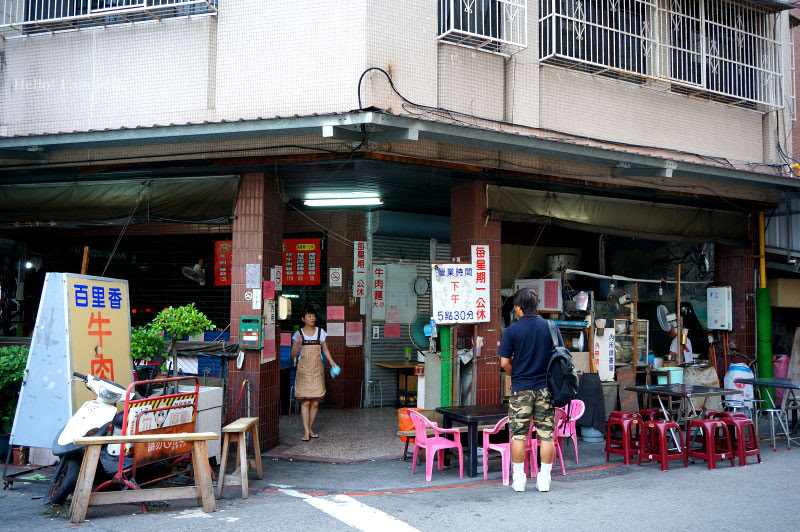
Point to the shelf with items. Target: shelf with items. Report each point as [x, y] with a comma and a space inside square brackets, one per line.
[623, 346]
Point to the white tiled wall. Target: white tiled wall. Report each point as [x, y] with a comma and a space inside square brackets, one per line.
[264, 59]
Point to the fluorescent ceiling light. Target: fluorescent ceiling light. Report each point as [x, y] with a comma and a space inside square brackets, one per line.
[337, 195]
[338, 202]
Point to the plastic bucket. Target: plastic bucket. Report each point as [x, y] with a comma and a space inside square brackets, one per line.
[404, 420]
[592, 435]
[676, 375]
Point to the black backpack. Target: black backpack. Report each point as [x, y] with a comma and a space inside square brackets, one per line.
[562, 381]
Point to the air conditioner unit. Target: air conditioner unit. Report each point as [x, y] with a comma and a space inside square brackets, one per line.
[720, 308]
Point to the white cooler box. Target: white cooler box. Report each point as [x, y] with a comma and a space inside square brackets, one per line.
[209, 415]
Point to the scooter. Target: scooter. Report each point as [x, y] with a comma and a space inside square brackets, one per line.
[94, 418]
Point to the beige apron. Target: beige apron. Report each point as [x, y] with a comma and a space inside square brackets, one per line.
[309, 381]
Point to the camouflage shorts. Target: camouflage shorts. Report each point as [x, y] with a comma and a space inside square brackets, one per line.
[527, 404]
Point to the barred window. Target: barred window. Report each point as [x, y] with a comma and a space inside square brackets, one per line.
[25, 17]
[497, 26]
[711, 49]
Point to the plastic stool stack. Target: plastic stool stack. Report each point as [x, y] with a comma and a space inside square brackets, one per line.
[715, 440]
[654, 443]
[628, 444]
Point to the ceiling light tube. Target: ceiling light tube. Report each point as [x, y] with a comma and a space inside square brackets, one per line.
[340, 202]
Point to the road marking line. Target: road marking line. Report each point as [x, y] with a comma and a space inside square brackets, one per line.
[354, 513]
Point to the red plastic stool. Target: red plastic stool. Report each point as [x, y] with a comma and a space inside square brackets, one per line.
[742, 431]
[651, 413]
[628, 444]
[715, 439]
[622, 414]
[713, 414]
[655, 443]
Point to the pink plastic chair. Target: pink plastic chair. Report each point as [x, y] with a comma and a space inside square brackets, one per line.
[434, 444]
[560, 421]
[532, 452]
[568, 429]
[503, 448]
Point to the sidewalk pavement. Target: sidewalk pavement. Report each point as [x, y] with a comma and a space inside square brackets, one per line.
[383, 496]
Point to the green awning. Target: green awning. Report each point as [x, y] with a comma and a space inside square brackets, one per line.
[202, 199]
[616, 216]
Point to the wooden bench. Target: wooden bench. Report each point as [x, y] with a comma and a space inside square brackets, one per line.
[237, 432]
[202, 490]
[409, 434]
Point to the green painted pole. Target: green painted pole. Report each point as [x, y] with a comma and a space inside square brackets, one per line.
[764, 316]
[764, 328]
[445, 341]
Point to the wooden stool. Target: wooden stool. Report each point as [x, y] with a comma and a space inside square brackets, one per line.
[236, 432]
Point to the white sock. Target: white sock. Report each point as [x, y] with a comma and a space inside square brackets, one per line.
[546, 467]
[518, 468]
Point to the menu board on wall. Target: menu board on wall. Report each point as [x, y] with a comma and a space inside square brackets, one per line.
[301, 261]
[223, 249]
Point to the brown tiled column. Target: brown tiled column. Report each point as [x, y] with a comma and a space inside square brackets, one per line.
[735, 267]
[468, 227]
[257, 238]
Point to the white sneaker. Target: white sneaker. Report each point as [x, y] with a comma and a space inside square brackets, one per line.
[543, 481]
[519, 481]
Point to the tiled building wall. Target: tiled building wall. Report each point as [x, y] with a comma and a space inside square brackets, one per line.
[227, 67]
[468, 226]
[257, 234]
[736, 267]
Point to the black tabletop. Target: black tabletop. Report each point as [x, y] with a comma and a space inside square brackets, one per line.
[770, 382]
[682, 390]
[472, 414]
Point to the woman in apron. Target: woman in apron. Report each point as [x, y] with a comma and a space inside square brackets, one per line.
[308, 344]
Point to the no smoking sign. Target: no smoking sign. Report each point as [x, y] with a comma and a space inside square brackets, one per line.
[335, 277]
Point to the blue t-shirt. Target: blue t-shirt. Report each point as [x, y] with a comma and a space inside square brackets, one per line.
[527, 342]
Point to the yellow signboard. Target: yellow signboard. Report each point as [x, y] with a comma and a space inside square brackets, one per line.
[99, 331]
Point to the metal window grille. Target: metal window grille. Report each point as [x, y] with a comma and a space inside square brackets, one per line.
[711, 49]
[497, 26]
[25, 17]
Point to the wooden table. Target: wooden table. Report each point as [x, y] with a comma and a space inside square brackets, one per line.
[406, 368]
[203, 490]
[472, 416]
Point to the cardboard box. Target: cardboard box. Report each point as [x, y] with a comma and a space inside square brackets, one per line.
[505, 384]
[580, 359]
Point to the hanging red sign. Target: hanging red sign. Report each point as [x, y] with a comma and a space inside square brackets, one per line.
[223, 251]
[301, 259]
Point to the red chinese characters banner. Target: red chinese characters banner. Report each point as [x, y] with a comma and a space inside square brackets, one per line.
[223, 251]
[301, 261]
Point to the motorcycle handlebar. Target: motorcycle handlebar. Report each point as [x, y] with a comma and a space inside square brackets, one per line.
[79, 375]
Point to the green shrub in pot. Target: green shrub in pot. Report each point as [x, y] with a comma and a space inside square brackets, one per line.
[12, 368]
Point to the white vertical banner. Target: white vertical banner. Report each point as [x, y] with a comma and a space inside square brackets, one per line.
[359, 268]
[480, 268]
[277, 277]
[379, 292]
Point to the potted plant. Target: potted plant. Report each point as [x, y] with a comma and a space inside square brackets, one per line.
[147, 344]
[12, 368]
[179, 322]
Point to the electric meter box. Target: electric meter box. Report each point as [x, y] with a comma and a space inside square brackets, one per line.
[720, 308]
[250, 332]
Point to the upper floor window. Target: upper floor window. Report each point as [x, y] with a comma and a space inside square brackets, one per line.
[712, 49]
[497, 26]
[25, 17]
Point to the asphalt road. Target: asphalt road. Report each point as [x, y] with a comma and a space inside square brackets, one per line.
[383, 496]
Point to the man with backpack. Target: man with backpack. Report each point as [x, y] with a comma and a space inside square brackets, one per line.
[525, 350]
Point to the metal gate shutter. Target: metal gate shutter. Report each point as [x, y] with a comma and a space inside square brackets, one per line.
[397, 250]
